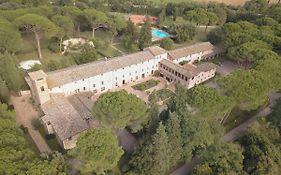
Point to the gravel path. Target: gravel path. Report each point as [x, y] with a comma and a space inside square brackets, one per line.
[25, 113]
[231, 135]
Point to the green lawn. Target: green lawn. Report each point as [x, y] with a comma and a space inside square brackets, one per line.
[146, 85]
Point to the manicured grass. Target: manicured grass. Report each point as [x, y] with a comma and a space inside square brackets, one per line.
[146, 85]
[50, 139]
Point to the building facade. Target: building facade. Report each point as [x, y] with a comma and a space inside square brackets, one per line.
[64, 119]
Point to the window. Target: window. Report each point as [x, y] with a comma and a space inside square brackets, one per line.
[94, 85]
[82, 79]
[102, 83]
[42, 88]
[84, 88]
[103, 88]
[115, 78]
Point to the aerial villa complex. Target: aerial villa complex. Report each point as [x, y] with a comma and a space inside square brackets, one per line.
[66, 120]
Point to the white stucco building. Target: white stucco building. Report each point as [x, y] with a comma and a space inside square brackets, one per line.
[101, 76]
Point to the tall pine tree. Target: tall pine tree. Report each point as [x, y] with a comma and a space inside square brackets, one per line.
[145, 35]
[4, 92]
[10, 72]
[175, 139]
[160, 151]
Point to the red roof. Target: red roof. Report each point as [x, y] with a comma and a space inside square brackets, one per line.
[140, 19]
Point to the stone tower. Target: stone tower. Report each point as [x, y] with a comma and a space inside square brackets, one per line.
[39, 87]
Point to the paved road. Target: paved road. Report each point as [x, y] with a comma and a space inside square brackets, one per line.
[231, 135]
[25, 113]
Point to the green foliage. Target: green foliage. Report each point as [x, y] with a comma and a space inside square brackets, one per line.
[65, 23]
[248, 88]
[16, 155]
[98, 151]
[88, 54]
[146, 85]
[198, 134]
[10, 38]
[4, 91]
[261, 155]
[153, 157]
[175, 140]
[270, 68]
[209, 103]
[275, 116]
[10, 73]
[167, 43]
[37, 24]
[182, 32]
[257, 6]
[145, 37]
[202, 17]
[120, 109]
[222, 159]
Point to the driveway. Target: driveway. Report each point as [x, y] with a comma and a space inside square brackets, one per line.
[25, 113]
[231, 135]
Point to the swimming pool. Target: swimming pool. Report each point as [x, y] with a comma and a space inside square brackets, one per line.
[159, 33]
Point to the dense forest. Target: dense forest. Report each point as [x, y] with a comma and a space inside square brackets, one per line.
[193, 123]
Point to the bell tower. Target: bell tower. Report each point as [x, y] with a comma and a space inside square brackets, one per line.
[39, 87]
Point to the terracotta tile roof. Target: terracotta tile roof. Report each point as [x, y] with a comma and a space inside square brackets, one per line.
[64, 119]
[139, 19]
[75, 73]
[156, 50]
[185, 51]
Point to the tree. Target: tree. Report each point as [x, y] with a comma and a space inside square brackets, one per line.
[208, 103]
[16, 155]
[40, 26]
[10, 72]
[4, 91]
[257, 6]
[96, 18]
[145, 35]
[88, 54]
[167, 43]
[175, 140]
[10, 39]
[162, 16]
[221, 158]
[248, 88]
[120, 109]
[198, 134]
[98, 151]
[152, 157]
[66, 26]
[183, 32]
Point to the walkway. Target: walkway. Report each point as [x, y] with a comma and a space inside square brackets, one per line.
[25, 113]
[231, 135]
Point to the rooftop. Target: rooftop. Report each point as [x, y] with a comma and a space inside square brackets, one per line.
[37, 75]
[139, 19]
[65, 120]
[196, 48]
[189, 70]
[75, 73]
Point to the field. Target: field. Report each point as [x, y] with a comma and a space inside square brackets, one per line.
[229, 2]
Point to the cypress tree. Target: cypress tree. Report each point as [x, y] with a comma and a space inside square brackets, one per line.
[10, 72]
[4, 92]
[175, 139]
[145, 35]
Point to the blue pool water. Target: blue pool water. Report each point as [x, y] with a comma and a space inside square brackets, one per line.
[159, 33]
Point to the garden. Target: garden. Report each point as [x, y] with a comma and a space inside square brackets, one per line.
[146, 85]
[160, 95]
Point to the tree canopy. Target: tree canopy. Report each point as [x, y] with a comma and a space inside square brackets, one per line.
[98, 150]
[120, 109]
